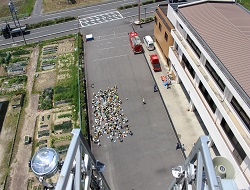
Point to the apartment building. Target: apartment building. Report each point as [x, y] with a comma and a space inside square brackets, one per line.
[207, 45]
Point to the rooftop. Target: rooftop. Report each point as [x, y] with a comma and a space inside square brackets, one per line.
[225, 28]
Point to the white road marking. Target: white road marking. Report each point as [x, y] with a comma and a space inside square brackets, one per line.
[39, 32]
[101, 18]
[105, 39]
[106, 48]
[110, 57]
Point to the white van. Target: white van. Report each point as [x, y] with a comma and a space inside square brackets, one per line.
[148, 41]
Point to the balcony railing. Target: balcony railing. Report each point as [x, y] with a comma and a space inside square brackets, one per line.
[80, 171]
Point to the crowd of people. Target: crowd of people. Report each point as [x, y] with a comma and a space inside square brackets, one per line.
[109, 119]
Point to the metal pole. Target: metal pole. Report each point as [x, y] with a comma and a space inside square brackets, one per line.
[20, 27]
[78, 24]
[139, 13]
[12, 8]
[145, 13]
[79, 91]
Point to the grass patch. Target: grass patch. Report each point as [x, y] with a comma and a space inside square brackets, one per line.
[24, 8]
[245, 3]
[65, 115]
[51, 5]
[62, 138]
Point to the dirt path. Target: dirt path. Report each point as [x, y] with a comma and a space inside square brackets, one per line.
[20, 170]
[37, 11]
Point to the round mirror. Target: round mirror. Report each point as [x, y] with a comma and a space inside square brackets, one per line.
[44, 163]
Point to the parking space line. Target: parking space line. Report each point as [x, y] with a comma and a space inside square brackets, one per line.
[111, 57]
[106, 48]
[105, 39]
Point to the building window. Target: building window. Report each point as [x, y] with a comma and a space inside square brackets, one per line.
[166, 36]
[207, 97]
[215, 76]
[156, 20]
[194, 47]
[160, 26]
[242, 114]
[238, 152]
[188, 66]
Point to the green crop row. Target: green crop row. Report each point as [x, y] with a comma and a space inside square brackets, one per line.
[66, 125]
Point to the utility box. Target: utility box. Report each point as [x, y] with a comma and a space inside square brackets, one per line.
[27, 139]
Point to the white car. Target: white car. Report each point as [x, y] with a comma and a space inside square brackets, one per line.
[149, 43]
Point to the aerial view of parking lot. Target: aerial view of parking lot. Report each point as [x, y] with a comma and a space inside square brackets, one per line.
[122, 95]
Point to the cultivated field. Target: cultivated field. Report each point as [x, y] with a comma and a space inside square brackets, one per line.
[51, 5]
[26, 6]
[47, 77]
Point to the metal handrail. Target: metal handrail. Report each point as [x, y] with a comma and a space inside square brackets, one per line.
[81, 168]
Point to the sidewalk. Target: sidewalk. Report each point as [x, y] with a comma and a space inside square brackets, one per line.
[187, 124]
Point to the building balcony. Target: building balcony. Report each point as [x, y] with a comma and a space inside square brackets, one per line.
[220, 139]
[212, 89]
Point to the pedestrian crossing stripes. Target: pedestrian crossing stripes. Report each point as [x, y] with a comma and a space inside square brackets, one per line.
[98, 19]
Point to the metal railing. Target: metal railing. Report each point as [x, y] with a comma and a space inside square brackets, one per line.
[80, 169]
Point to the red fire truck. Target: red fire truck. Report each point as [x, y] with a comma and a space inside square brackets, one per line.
[135, 42]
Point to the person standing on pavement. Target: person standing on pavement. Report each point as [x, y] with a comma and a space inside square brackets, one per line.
[178, 146]
[155, 88]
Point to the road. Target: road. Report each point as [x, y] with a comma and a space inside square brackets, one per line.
[71, 27]
[79, 11]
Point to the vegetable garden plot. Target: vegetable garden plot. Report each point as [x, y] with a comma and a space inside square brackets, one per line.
[49, 50]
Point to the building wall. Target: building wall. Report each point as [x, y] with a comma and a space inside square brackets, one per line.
[160, 34]
[224, 110]
[205, 112]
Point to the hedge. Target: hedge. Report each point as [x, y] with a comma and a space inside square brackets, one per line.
[50, 22]
[136, 4]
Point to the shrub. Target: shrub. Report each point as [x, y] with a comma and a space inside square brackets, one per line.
[147, 2]
[7, 59]
[2, 60]
[127, 6]
[134, 4]
[120, 8]
[3, 54]
[21, 52]
[45, 99]
[149, 19]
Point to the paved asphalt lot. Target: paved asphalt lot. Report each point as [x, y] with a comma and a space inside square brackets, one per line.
[144, 160]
